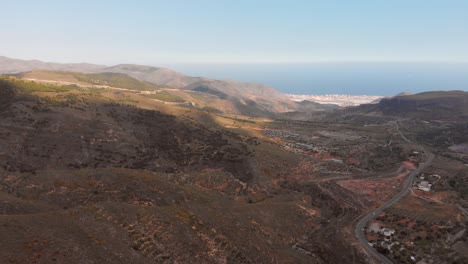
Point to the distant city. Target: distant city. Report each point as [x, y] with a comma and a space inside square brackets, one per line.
[337, 99]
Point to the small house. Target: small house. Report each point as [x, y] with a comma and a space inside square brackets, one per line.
[424, 186]
[387, 231]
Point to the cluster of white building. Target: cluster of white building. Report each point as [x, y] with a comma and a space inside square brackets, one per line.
[424, 184]
[337, 99]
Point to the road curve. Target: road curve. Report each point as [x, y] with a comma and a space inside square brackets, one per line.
[359, 230]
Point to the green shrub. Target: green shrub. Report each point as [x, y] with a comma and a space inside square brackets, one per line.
[166, 97]
[30, 86]
[118, 80]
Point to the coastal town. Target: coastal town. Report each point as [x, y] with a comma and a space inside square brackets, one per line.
[342, 100]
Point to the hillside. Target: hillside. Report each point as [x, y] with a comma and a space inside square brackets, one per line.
[9, 65]
[117, 80]
[110, 176]
[236, 97]
[201, 98]
[159, 76]
[433, 105]
[249, 98]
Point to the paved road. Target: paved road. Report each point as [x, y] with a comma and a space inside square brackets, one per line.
[359, 230]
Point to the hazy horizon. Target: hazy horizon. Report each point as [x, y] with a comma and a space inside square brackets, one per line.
[370, 78]
[319, 78]
[364, 47]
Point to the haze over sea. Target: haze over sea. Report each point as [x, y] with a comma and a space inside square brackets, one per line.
[367, 78]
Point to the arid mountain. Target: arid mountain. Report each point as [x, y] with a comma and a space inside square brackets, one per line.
[159, 76]
[93, 169]
[8, 65]
[246, 94]
[111, 176]
[246, 98]
[223, 96]
[105, 79]
[230, 98]
[428, 105]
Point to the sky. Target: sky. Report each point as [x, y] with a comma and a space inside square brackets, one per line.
[155, 32]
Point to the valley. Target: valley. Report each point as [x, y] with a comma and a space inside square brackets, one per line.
[234, 132]
[117, 167]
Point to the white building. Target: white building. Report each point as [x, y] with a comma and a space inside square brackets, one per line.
[425, 186]
[387, 231]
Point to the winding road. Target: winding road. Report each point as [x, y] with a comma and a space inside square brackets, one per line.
[359, 230]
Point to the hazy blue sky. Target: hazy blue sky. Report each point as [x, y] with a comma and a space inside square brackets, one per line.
[242, 31]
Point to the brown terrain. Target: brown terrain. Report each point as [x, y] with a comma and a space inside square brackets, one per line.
[86, 178]
[94, 170]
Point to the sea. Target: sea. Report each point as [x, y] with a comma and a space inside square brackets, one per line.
[364, 78]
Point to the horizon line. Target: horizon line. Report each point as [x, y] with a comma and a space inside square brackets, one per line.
[322, 61]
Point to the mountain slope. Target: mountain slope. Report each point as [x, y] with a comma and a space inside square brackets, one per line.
[159, 76]
[117, 80]
[85, 177]
[263, 98]
[8, 65]
[248, 98]
[438, 104]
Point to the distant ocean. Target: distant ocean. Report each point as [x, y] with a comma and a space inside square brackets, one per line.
[340, 78]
